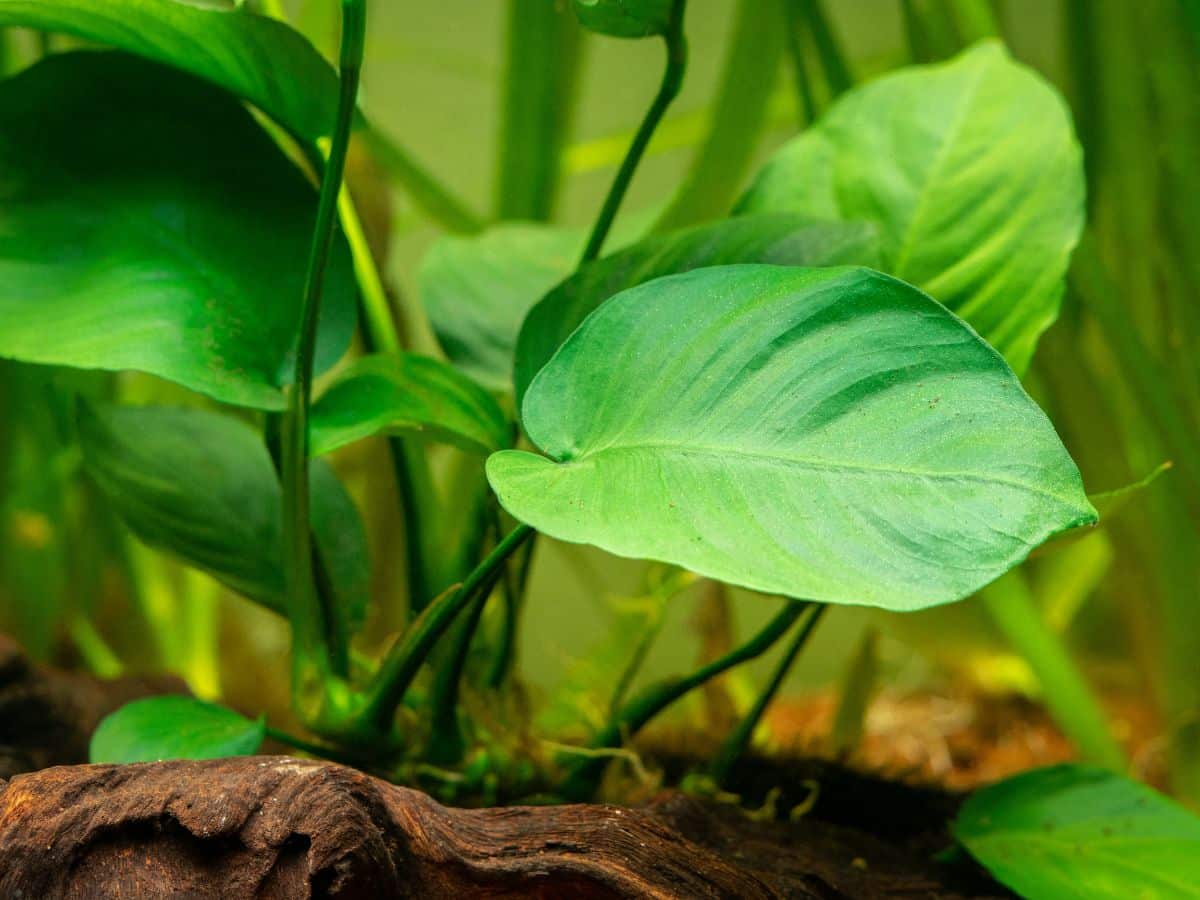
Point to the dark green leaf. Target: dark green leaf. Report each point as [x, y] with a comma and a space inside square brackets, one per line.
[478, 289]
[974, 174]
[1075, 832]
[782, 239]
[201, 485]
[174, 728]
[147, 222]
[832, 434]
[408, 394]
[255, 57]
[625, 18]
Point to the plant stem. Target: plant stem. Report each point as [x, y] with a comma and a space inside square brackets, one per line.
[837, 72]
[405, 658]
[1068, 696]
[581, 782]
[739, 739]
[446, 744]
[312, 624]
[540, 76]
[676, 46]
[748, 76]
[794, 32]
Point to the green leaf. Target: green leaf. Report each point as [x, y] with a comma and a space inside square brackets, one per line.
[255, 57]
[625, 18]
[1076, 832]
[147, 222]
[832, 434]
[202, 486]
[974, 175]
[408, 394]
[174, 728]
[477, 290]
[782, 239]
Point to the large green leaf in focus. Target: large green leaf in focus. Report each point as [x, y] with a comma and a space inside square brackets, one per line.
[780, 238]
[201, 485]
[253, 56]
[408, 394]
[832, 434]
[174, 728]
[147, 222]
[974, 174]
[477, 289]
[1074, 832]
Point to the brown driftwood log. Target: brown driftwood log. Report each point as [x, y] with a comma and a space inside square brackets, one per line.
[274, 827]
[47, 715]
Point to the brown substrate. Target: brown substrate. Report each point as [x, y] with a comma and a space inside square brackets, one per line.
[283, 828]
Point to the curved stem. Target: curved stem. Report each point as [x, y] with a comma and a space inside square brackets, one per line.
[672, 79]
[739, 739]
[404, 660]
[581, 783]
[310, 621]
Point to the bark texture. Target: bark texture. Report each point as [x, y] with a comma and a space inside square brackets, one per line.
[275, 827]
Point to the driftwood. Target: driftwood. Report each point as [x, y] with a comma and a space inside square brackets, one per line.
[275, 827]
[47, 715]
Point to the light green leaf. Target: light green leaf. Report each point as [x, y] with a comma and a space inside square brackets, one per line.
[174, 728]
[625, 18]
[255, 57]
[1074, 832]
[477, 290]
[147, 222]
[781, 239]
[408, 394]
[832, 434]
[974, 175]
[202, 486]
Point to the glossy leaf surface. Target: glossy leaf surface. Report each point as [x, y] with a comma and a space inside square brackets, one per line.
[174, 728]
[831, 434]
[781, 239]
[478, 289]
[253, 56]
[407, 394]
[625, 18]
[974, 175]
[147, 222]
[201, 486]
[1076, 832]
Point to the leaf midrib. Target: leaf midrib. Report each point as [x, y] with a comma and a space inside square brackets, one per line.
[819, 465]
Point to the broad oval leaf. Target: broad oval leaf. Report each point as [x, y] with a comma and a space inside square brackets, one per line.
[781, 239]
[174, 727]
[625, 18]
[255, 57]
[1077, 832]
[411, 394]
[148, 222]
[477, 289]
[832, 434]
[201, 486]
[974, 174]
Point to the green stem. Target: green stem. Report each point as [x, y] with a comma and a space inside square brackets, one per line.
[505, 651]
[97, 655]
[404, 660]
[311, 624]
[676, 46]
[837, 72]
[795, 32]
[1065, 691]
[581, 783]
[540, 76]
[748, 77]
[739, 739]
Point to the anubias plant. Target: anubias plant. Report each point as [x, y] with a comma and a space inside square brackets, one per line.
[817, 397]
